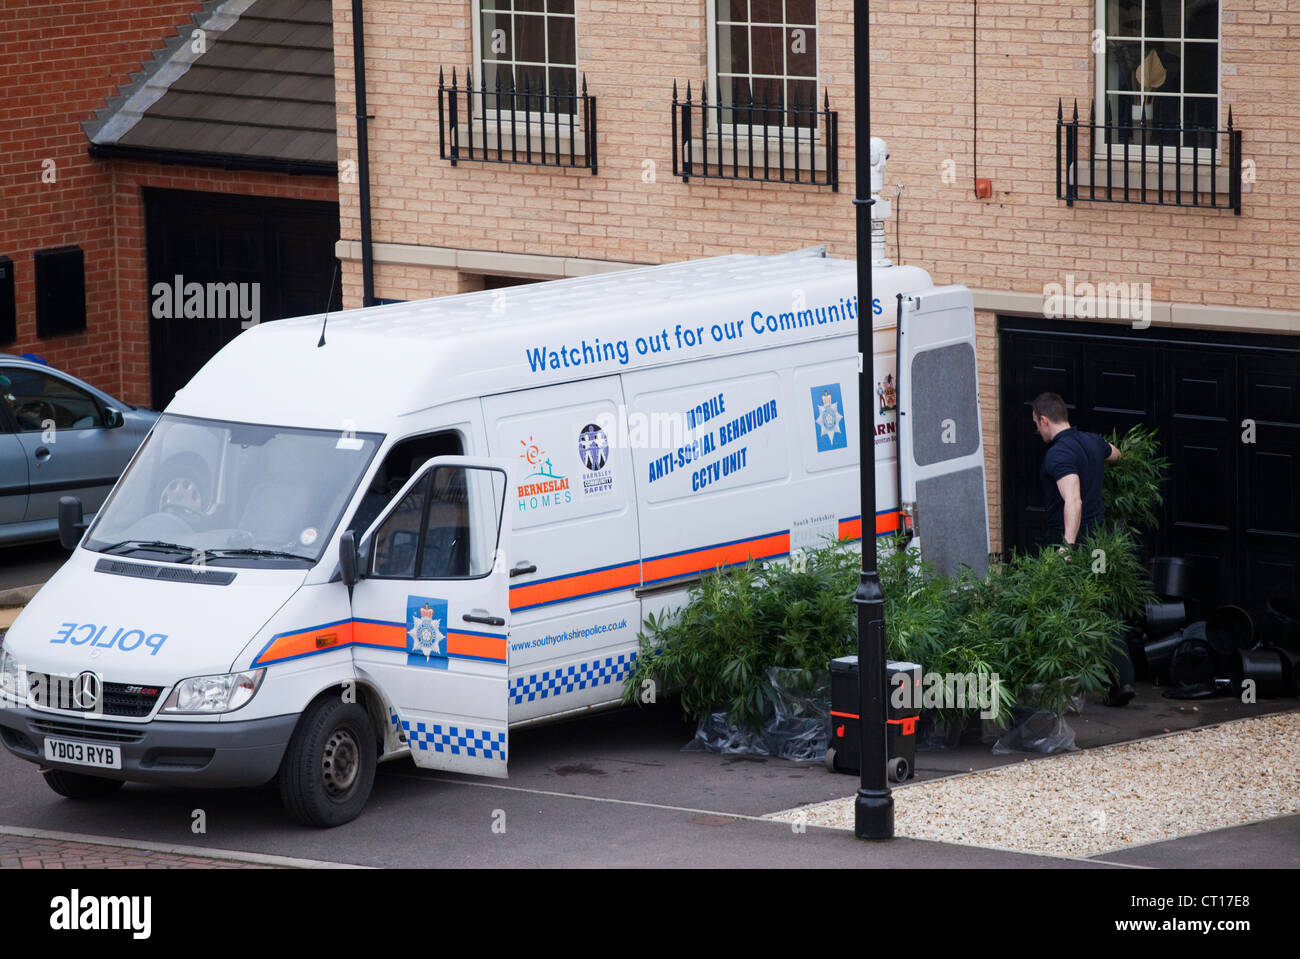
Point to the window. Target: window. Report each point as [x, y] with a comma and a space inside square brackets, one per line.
[447, 526]
[40, 401]
[528, 45]
[1159, 73]
[764, 52]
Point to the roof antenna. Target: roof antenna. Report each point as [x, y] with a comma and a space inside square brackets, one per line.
[327, 305]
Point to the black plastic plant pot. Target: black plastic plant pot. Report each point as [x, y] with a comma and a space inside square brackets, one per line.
[1291, 671]
[1171, 577]
[1229, 628]
[1192, 663]
[1159, 653]
[1165, 618]
[1266, 667]
[1285, 615]
[1135, 639]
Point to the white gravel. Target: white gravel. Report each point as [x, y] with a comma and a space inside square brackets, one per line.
[1103, 799]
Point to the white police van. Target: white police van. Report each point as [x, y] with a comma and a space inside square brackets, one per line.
[438, 520]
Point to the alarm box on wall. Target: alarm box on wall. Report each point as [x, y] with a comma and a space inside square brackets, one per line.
[8, 312]
[60, 291]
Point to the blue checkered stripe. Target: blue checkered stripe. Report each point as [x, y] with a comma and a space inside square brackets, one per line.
[567, 679]
[457, 740]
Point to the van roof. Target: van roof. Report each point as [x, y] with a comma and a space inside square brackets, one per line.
[384, 362]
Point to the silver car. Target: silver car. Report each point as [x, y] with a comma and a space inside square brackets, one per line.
[58, 437]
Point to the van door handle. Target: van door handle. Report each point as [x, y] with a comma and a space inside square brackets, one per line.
[522, 569]
[42, 454]
[485, 619]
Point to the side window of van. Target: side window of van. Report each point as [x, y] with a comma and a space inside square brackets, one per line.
[446, 527]
[398, 540]
[399, 465]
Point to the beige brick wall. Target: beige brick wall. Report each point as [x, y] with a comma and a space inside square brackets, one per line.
[1029, 55]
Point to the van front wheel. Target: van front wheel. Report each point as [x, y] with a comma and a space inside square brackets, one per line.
[329, 768]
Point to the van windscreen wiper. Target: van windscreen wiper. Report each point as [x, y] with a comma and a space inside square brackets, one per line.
[249, 551]
[158, 546]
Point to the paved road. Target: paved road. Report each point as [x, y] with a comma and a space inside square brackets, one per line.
[26, 565]
[611, 790]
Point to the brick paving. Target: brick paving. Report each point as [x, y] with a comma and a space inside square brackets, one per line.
[25, 852]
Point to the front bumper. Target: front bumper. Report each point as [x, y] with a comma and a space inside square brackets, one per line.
[174, 753]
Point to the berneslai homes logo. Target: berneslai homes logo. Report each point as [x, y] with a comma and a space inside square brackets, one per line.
[1074, 300]
[208, 301]
[543, 487]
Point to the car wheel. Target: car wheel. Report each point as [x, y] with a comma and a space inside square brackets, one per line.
[329, 768]
[79, 785]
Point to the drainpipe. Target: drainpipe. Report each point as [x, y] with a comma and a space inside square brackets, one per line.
[363, 154]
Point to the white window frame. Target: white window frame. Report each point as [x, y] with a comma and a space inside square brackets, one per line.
[479, 109]
[743, 130]
[1201, 156]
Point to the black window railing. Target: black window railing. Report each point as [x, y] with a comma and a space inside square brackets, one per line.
[755, 140]
[509, 124]
[1156, 164]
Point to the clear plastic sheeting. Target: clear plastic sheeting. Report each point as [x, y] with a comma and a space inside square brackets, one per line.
[1038, 731]
[797, 727]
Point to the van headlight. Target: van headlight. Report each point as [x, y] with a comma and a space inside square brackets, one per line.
[214, 694]
[13, 678]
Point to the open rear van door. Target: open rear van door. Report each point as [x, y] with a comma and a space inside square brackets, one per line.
[940, 447]
[431, 614]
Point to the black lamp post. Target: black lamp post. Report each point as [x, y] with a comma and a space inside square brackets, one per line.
[873, 810]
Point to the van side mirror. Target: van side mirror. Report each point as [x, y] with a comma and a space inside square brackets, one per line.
[348, 558]
[72, 522]
[113, 418]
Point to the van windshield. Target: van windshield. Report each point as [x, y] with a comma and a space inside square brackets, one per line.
[233, 494]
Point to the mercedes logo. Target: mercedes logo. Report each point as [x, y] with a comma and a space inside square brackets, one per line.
[85, 691]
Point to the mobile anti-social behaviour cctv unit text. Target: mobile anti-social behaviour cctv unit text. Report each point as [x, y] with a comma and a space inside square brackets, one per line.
[452, 517]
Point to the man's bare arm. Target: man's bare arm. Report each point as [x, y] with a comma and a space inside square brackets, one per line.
[1114, 455]
[1068, 486]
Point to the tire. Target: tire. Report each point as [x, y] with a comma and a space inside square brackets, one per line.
[898, 769]
[830, 760]
[79, 785]
[329, 768]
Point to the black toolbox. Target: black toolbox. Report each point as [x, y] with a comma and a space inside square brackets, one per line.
[902, 687]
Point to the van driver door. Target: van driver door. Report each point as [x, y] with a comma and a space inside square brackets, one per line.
[430, 615]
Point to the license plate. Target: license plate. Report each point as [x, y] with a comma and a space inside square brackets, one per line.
[83, 754]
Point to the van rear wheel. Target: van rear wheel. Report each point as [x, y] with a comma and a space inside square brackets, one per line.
[329, 768]
[79, 785]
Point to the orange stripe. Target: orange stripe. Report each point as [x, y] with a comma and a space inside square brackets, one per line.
[764, 546]
[885, 523]
[297, 644]
[533, 594]
[482, 647]
[379, 634]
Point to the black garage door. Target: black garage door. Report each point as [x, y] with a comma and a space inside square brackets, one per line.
[284, 246]
[1231, 507]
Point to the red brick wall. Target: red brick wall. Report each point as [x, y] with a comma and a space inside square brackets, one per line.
[59, 62]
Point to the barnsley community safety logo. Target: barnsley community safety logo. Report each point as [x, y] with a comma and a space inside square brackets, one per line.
[593, 450]
[426, 632]
[828, 414]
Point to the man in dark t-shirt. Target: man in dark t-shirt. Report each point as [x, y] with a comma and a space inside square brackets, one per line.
[1071, 473]
[1071, 478]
